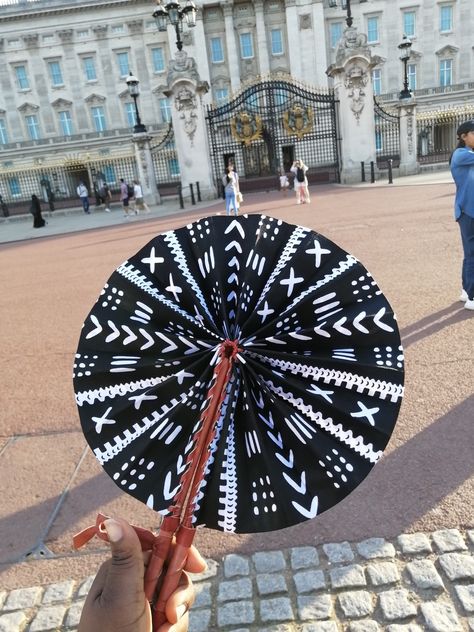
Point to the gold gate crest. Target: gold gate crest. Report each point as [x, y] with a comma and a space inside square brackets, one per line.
[246, 127]
[298, 120]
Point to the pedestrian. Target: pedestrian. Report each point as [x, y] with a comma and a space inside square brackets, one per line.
[105, 196]
[83, 193]
[140, 204]
[284, 182]
[230, 180]
[299, 170]
[124, 198]
[462, 169]
[35, 210]
[4, 207]
[116, 599]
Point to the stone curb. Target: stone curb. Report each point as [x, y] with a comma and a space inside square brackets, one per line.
[419, 581]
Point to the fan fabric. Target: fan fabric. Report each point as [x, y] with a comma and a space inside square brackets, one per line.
[314, 395]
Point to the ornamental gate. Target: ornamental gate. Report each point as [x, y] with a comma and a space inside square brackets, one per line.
[387, 136]
[270, 124]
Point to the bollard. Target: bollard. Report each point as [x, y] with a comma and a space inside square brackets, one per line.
[372, 171]
[193, 199]
[180, 195]
[198, 189]
[390, 172]
[362, 171]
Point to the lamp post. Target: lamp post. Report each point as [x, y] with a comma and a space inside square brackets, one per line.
[134, 90]
[346, 5]
[174, 14]
[405, 50]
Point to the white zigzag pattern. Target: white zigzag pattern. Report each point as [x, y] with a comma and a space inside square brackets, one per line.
[117, 390]
[180, 259]
[110, 450]
[213, 448]
[343, 266]
[296, 238]
[345, 436]
[229, 487]
[132, 274]
[350, 380]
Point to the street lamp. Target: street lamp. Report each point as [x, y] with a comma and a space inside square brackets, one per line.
[346, 5]
[405, 50]
[174, 14]
[134, 90]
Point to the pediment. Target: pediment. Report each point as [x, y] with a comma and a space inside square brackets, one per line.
[415, 54]
[28, 107]
[61, 103]
[123, 94]
[94, 98]
[447, 50]
[222, 79]
[160, 89]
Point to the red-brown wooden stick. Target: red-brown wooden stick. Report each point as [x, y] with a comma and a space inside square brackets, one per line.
[159, 554]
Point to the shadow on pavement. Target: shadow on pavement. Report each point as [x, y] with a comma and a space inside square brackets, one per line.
[433, 323]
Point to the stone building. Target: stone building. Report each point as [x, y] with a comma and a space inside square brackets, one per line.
[63, 65]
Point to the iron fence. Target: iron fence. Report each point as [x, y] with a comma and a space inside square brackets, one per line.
[436, 132]
[387, 136]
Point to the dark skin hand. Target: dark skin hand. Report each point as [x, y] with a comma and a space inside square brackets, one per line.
[116, 601]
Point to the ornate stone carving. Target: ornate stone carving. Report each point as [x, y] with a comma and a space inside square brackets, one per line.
[355, 81]
[31, 40]
[305, 21]
[410, 129]
[135, 26]
[186, 104]
[246, 127]
[28, 108]
[181, 67]
[298, 120]
[65, 35]
[95, 99]
[351, 42]
[188, 39]
[100, 30]
[61, 103]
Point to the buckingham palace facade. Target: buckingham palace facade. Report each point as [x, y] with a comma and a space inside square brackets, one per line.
[63, 64]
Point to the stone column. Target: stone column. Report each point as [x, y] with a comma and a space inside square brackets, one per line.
[262, 44]
[146, 172]
[185, 90]
[320, 42]
[293, 37]
[232, 54]
[351, 73]
[408, 137]
[200, 48]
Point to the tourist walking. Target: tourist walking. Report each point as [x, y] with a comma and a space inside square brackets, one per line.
[284, 182]
[299, 170]
[83, 193]
[230, 181]
[105, 196]
[4, 207]
[462, 169]
[125, 198]
[140, 204]
[35, 210]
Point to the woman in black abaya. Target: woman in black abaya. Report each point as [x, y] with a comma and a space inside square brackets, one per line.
[35, 210]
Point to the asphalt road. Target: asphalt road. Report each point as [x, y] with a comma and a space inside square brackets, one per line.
[52, 485]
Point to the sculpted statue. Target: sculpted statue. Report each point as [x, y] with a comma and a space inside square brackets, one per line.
[182, 65]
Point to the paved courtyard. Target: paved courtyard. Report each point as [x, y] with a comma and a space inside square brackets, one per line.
[396, 555]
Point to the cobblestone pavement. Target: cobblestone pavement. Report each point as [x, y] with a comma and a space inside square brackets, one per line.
[419, 581]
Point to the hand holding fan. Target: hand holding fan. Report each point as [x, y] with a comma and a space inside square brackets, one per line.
[239, 373]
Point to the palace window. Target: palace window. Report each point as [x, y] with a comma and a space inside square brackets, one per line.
[445, 18]
[217, 50]
[98, 117]
[32, 126]
[445, 72]
[89, 68]
[130, 114]
[246, 45]
[335, 33]
[3, 132]
[158, 59]
[377, 81]
[165, 109]
[276, 41]
[411, 72]
[222, 95]
[372, 29]
[55, 73]
[409, 23]
[65, 122]
[14, 186]
[22, 77]
[123, 64]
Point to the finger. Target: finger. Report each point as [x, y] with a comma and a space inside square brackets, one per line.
[181, 626]
[195, 563]
[126, 570]
[181, 600]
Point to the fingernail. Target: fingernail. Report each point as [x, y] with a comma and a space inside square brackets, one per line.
[114, 530]
[181, 611]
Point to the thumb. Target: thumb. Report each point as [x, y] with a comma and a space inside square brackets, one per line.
[124, 581]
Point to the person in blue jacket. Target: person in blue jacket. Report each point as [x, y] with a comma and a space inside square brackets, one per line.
[462, 169]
